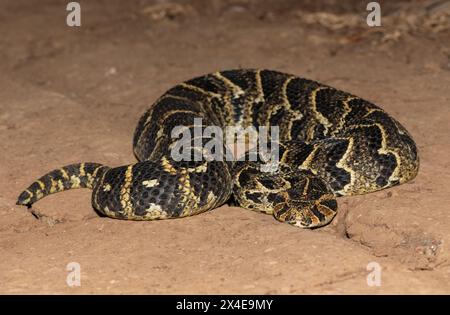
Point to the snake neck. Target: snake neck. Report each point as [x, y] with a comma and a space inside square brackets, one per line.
[80, 175]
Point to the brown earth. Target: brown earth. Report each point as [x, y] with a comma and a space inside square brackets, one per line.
[75, 94]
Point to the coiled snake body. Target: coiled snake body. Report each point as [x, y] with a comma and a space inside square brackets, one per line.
[331, 143]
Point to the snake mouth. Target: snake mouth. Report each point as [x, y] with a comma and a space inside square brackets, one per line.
[301, 224]
[308, 223]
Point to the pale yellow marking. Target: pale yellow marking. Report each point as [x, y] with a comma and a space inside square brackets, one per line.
[199, 169]
[150, 183]
[125, 199]
[154, 211]
[183, 111]
[205, 153]
[160, 133]
[167, 114]
[267, 206]
[325, 210]
[372, 110]
[82, 171]
[64, 173]
[181, 130]
[384, 150]
[94, 198]
[56, 186]
[39, 194]
[314, 219]
[211, 197]
[53, 186]
[347, 111]
[285, 156]
[296, 115]
[150, 117]
[30, 195]
[91, 178]
[167, 166]
[162, 119]
[310, 132]
[106, 187]
[305, 189]
[154, 207]
[75, 181]
[144, 127]
[322, 119]
[260, 188]
[342, 164]
[150, 110]
[189, 199]
[109, 213]
[237, 90]
[290, 116]
[200, 90]
[41, 184]
[260, 98]
[307, 162]
[96, 171]
[284, 90]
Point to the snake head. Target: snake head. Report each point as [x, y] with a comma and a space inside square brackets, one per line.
[307, 214]
[296, 197]
[310, 203]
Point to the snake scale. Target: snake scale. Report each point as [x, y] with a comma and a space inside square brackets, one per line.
[331, 143]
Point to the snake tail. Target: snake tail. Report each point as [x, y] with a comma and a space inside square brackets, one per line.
[80, 175]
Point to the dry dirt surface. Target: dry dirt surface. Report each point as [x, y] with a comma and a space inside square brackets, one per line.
[72, 94]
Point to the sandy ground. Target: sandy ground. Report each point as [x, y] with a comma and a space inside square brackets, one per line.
[75, 94]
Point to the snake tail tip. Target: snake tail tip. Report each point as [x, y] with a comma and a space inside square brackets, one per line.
[24, 199]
